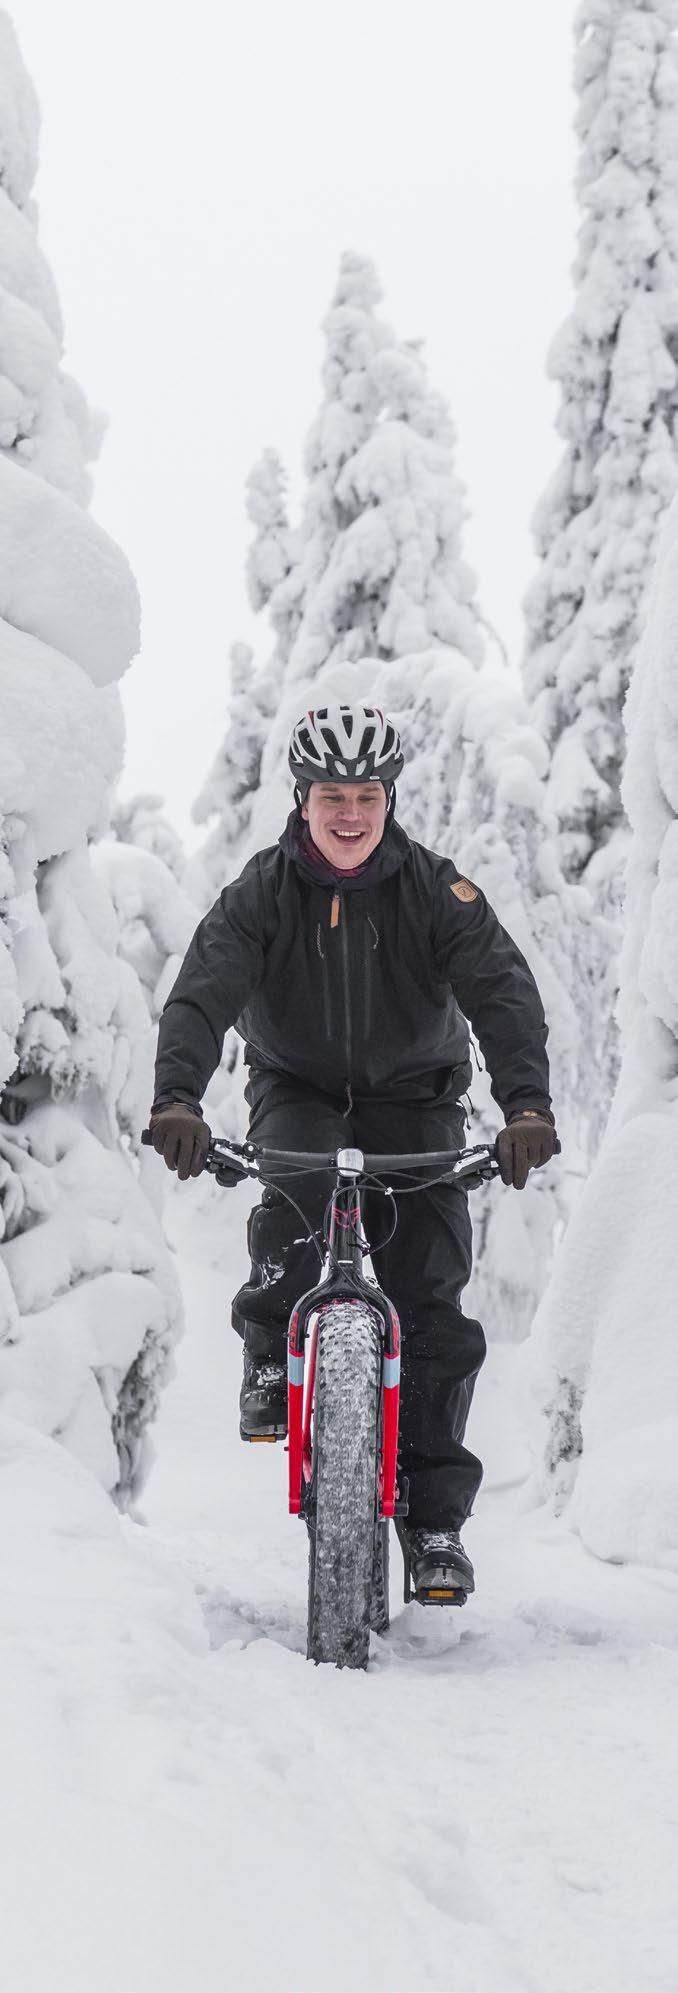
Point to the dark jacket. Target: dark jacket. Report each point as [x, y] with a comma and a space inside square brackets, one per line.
[356, 986]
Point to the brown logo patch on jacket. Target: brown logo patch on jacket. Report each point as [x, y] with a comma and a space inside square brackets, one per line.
[463, 890]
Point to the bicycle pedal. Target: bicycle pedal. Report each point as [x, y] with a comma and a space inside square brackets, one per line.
[261, 1438]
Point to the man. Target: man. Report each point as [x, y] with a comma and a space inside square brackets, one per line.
[349, 958]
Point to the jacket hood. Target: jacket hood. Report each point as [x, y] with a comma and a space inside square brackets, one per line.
[390, 854]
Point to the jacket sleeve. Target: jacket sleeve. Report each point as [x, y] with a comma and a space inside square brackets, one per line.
[496, 990]
[223, 965]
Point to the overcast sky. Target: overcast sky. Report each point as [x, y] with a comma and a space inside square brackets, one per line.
[202, 167]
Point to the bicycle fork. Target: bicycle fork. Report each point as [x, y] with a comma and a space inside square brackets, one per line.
[301, 1386]
[342, 1281]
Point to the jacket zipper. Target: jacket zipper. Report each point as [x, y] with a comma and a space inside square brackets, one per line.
[325, 978]
[335, 921]
[347, 997]
[371, 942]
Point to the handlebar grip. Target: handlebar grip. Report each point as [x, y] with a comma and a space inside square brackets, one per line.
[146, 1138]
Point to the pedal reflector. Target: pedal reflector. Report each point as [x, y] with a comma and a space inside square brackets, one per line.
[260, 1438]
[445, 1594]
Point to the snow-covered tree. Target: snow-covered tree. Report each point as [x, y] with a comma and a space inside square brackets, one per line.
[379, 562]
[155, 916]
[272, 564]
[273, 583]
[615, 360]
[381, 559]
[226, 799]
[89, 1305]
[141, 820]
[604, 1356]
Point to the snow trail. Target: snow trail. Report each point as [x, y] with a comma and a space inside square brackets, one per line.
[494, 1806]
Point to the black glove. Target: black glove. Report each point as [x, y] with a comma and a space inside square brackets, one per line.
[526, 1143]
[182, 1138]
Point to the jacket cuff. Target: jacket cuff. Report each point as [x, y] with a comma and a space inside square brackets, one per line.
[530, 1107]
[177, 1100]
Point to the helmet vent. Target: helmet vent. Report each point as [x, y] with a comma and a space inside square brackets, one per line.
[346, 741]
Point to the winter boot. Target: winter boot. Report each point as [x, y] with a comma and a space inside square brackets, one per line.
[263, 1399]
[437, 1569]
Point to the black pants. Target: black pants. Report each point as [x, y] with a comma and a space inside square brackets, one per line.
[423, 1270]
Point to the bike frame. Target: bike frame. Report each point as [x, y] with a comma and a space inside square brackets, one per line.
[342, 1281]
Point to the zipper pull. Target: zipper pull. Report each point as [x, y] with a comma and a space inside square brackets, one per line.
[336, 905]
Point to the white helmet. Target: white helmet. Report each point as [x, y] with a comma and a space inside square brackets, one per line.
[345, 743]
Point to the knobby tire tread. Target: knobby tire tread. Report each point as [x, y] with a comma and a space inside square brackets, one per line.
[345, 1536]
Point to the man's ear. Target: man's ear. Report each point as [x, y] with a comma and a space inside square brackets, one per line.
[304, 811]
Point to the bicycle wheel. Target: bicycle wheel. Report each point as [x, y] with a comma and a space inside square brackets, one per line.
[342, 1517]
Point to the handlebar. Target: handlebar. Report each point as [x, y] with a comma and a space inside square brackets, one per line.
[473, 1165]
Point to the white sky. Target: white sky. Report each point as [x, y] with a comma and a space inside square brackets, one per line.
[202, 167]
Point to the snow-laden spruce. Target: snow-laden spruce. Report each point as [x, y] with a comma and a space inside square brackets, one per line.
[226, 799]
[88, 1300]
[141, 820]
[605, 1352]
[377, 566]
[381, 561]
[273, 578]
[615, 361]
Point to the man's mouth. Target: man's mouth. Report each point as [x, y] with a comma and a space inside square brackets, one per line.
[350, 836]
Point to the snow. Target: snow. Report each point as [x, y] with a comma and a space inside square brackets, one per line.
[156, 918]
[603, 1353]
[62, 742]
[491, 1807]
[98, 1306]
[63, 579]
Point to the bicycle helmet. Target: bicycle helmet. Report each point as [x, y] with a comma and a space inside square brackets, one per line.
[345, 743]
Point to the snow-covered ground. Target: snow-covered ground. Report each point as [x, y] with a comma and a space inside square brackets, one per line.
[493, 1808]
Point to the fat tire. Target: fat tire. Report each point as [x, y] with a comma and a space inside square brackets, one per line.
[342, 1517]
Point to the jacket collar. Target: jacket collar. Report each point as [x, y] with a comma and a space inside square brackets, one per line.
[390, 854]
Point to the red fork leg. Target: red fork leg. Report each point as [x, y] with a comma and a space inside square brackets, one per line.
[390, 1431]
[307, 1437]
[295, 1413]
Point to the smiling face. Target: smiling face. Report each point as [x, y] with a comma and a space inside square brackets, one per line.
[346, 820]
